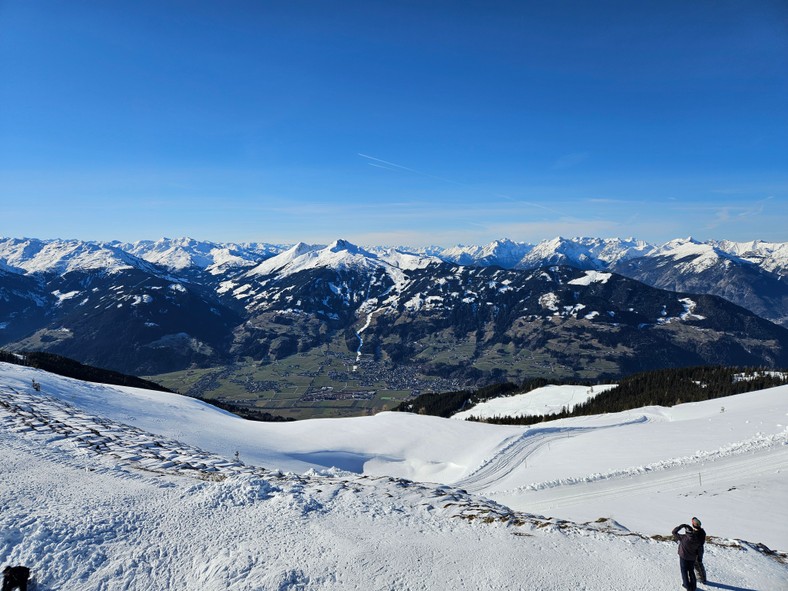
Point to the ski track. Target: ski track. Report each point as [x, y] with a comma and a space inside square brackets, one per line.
[514, 455]
[679, 478]
[749, 447]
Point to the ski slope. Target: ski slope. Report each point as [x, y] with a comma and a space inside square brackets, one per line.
[108, 487]
[548, 400]
[693, 457]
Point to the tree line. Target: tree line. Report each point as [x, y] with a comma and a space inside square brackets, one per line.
[63, 366]
[448, 403]
[664, 387]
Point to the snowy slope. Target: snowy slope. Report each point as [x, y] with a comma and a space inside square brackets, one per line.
[548, 400]
[62, 256]
[340, 254]
[98, 494]
[572, 453]
[643, 466]
[92, 502]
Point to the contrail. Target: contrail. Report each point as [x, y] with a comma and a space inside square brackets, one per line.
[381, 166]
[387, 163]
[393, 166]
[405, 168]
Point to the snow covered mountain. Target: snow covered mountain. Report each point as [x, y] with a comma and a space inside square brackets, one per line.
[77, 297]
[33, 256]
[502, 253]
[193, 303]
[186, 255]
[113, 487]
[583, 253]
[340, 255]
[748, 274]
[769, 256]
[691, 266]
[294, 298]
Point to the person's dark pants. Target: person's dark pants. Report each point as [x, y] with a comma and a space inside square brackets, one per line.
[688, 574]
[699, 568]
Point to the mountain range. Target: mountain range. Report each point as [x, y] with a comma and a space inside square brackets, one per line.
[584, 307]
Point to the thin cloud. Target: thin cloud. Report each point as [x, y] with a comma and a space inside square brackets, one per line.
[569, 160]
[736, 214]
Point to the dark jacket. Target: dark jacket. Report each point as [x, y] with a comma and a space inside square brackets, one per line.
[691, 542]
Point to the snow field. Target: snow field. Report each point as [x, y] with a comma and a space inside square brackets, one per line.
[540, 401]
[117, 488]
[80, 520]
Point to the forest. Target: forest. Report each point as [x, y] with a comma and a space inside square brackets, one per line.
[665, 387]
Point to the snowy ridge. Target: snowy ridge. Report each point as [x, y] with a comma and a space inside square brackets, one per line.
[692, 257]
[339, 255]
[178, 254]
[52, 421]
[64, 256]
[584, 252]
[560, 251]
[504, 253]
[770, 256]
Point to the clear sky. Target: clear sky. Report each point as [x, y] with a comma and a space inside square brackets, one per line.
[418, 122]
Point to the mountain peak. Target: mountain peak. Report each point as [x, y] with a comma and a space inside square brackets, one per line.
[343, 245]
[64, 256]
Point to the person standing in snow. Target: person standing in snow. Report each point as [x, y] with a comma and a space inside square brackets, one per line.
[700, 570]
[690, 551]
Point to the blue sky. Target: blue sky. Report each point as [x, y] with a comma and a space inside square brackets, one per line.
[394, 122]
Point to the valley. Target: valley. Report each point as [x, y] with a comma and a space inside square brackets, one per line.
[393, 296]
[341, 330]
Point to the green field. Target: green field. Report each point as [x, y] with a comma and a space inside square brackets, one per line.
[318, 383]
[327, 381]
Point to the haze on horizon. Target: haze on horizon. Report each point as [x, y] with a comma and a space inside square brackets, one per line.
[394, 123]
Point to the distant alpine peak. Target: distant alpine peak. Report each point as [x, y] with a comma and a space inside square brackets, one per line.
[339, 245]
[681, 248]
[770, 256]
[560, 251]
[30, 255]
[340, 255]
[178, 254]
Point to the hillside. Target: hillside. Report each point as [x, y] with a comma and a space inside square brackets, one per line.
[153, 465]
[342, 330]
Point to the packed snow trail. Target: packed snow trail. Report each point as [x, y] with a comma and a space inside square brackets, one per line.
[514, 456]
[756, 464]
